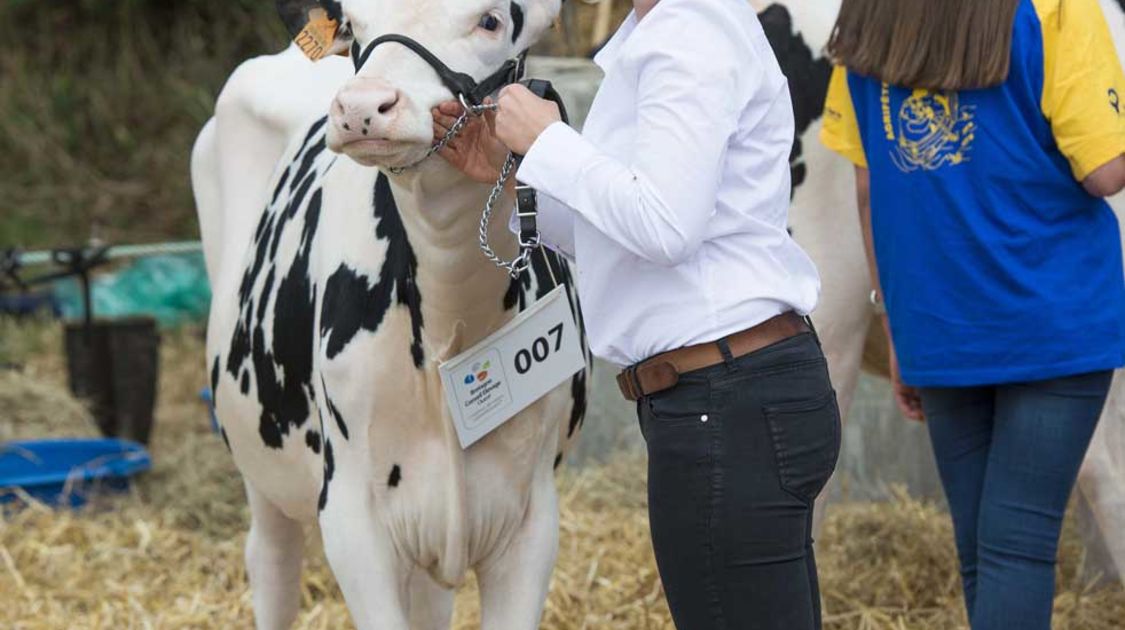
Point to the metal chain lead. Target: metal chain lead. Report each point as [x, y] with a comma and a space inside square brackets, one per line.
[473, 110]
[522, 261]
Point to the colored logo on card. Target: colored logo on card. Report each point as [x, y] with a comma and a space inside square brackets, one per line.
[478, 373]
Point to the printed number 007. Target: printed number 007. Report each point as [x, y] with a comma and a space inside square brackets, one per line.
[540, 350]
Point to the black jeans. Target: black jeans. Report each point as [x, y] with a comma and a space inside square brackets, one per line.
[737, 454]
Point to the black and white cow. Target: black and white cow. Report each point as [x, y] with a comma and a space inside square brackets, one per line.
[338, 289]
[824, 220]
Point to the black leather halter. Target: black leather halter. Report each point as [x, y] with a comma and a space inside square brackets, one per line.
[459, 83]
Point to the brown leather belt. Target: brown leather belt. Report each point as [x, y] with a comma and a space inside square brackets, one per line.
[663, 371]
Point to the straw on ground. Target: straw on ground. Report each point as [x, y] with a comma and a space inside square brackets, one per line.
[170, 554]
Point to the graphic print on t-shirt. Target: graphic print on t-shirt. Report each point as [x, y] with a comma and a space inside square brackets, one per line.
[930, 130]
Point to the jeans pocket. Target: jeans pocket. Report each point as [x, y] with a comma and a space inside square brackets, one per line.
[687, 404]
[806, 443]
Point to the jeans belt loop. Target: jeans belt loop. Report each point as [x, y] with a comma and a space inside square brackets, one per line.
[728, 356]
[635, 382]
[812, 329]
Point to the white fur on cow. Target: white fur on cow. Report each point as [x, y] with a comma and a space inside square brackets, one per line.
[337, 292]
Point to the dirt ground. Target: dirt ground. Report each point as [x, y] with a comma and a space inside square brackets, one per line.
[169, 555]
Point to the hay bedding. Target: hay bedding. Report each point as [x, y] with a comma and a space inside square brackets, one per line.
[170, 554]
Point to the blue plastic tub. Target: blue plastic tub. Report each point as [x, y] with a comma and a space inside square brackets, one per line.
[68, 472]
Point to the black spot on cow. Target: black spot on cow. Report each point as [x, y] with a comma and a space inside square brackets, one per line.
[517, 21]
[214, 379]
[307, 163]
[270, 432]
[546, 271]
[312, 440]
[269, 229]
[261, 248]
[312, 132]
[282, 367]
[286, 404]
[276, 193]
[808, 78]
[267, 291]
[239, 343]
[336, 415]
[260, 231]
[329, 471]
[549, 272]
[561, 270]
[512, 295]
[352, 303]
[578, 412]
[395, 477]
[558, 461]
[223, 434]
[290, 212]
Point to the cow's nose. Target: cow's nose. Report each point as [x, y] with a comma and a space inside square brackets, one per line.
[365, 108]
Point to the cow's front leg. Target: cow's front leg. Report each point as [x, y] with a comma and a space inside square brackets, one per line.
[431, 604]
[513, 585]
[274, 550]
[362, 556]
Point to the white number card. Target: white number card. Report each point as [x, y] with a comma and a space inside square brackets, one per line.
[499, 377]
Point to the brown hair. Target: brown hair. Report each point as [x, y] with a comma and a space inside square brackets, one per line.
[932, 44]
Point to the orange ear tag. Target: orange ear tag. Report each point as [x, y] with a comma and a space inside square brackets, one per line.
[316, 38]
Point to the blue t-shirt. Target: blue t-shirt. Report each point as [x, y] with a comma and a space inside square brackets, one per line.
[996, 265]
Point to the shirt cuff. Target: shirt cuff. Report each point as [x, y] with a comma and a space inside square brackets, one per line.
[1093, 153]
[555, 162]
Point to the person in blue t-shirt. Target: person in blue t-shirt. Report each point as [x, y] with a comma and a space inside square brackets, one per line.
[985, 134]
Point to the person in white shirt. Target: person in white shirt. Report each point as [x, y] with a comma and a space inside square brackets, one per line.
[673, 203]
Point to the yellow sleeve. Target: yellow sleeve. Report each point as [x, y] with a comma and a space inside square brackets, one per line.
[841, 128]
[1083, 84]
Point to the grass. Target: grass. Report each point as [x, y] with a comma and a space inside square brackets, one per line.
[101, 101]
[99, 106]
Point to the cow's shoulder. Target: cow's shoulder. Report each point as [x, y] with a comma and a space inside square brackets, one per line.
[357, 297]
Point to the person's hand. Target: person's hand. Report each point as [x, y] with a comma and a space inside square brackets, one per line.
[475, 151]
[908, 397]
[522, 117]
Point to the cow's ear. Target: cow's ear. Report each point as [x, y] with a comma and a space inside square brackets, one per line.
[318, 27]
[538, 15]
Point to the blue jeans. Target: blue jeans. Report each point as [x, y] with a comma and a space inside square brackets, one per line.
[1008, 456]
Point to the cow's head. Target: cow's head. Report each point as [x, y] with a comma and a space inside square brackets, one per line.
[382, 117]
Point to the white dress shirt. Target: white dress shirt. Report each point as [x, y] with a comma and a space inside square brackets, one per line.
[674, 200]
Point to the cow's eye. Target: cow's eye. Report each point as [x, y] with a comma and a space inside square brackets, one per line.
[489, 22]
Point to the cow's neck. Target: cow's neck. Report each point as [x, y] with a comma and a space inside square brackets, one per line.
[462, 291]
